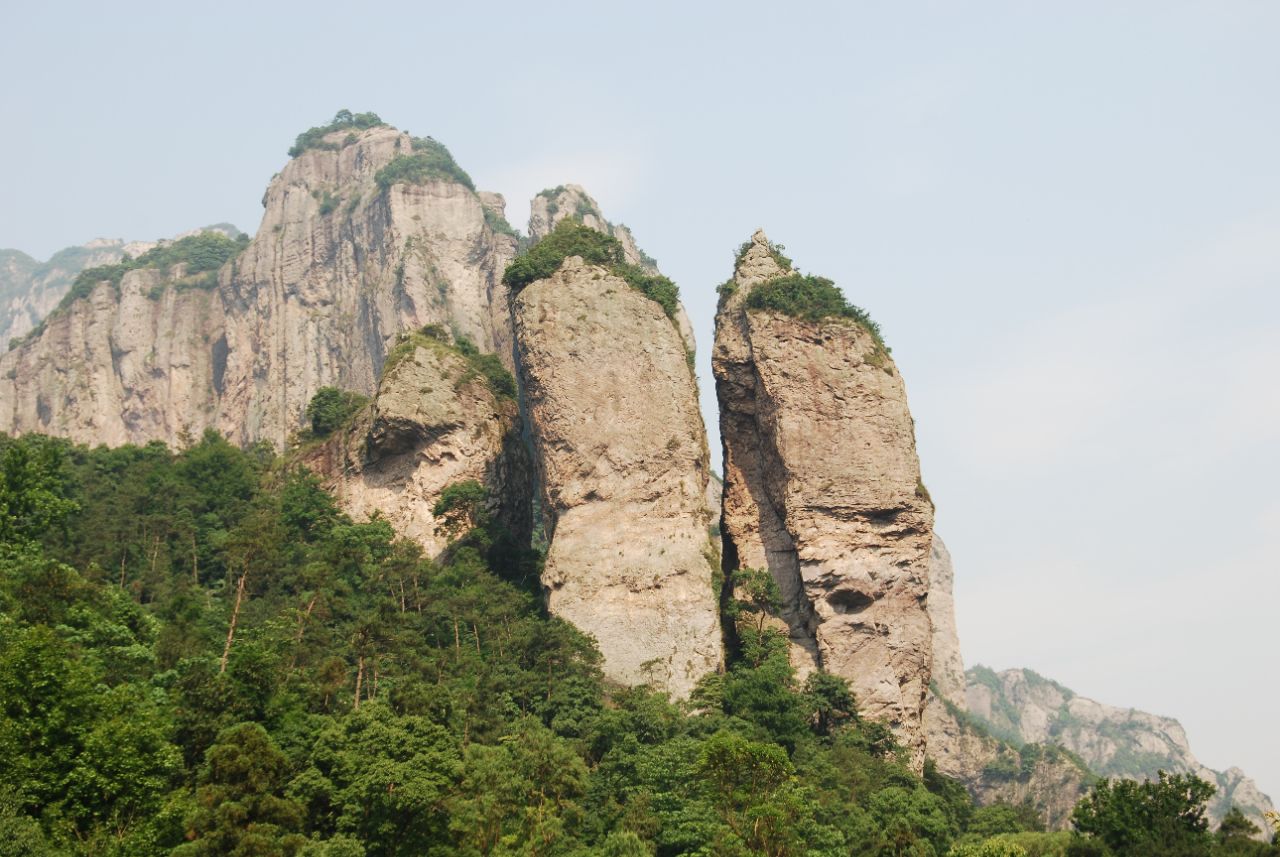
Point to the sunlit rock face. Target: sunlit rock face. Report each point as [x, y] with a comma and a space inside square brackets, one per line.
[339, 267]
[622, 460]
[822, 488]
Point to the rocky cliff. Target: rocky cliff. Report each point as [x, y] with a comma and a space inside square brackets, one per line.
[367, 233]
[822, 486]
[571, 202]
[30, 290]
[440, 418]
[948, 666]
[1115, 742]
[623, 467]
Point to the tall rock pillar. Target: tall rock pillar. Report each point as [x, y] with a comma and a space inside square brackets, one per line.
[621, 453]
[822, 487]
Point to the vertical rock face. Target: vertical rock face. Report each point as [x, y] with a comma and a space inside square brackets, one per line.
[623, 465]
[29, 290]
[822, 488]
[948, 667]
[341, 264]
[118, 367]
[435, 422]
[571, 202]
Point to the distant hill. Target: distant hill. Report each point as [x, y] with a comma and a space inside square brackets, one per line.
[1022, 707]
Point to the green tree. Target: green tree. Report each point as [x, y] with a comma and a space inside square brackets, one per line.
[382, 779]
[1163, 816]
[240, 806]
[330, 408]
[33, 501]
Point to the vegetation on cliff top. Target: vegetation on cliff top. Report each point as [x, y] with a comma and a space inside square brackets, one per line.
[213, 659]
[203, 255]
[479, 364]
[775, 250]
[571, 238]
[330, 408]
[313, 138]
[812, 299]
[429, 159]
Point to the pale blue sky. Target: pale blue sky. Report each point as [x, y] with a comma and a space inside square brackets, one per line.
[1066, 218]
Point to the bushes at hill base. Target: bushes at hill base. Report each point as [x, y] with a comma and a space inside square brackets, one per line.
[571, 238]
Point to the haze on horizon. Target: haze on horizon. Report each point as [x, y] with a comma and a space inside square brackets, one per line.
[1066, 220]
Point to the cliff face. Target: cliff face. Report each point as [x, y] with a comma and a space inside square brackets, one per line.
[992, 770]
[30, 290]
[1115, 742]
[118, 367]
[341, 264]
[435, 422]
[622, 459]
[822, 489]
[948, 666]
[572, 202]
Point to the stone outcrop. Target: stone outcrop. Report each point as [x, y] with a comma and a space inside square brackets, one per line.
[1114, 742]
[822, 488]
[992, 770]
[571, 202]
[623, 467]
[434, 422]
[119, 367]
[30, 290]
[340, 266]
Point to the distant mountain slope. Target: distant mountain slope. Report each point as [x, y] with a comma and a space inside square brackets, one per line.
[30, 289]
[1020, 706]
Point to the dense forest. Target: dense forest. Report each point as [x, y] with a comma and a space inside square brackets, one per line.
[200, 655]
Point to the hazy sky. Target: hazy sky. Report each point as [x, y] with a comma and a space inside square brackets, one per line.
[1066, 218]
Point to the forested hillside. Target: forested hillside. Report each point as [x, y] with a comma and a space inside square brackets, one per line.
[200, 655]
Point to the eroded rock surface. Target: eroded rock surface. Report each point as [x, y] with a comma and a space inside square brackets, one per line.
[622, 458]
[570, 201]
[822, 488]
[948, 666]
[30, 290]
[339, 267]
[435, 422]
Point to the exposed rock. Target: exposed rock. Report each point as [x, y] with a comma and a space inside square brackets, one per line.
[118, 368]
[29, 290]
[822, 489]
[622, 457]
[434, 422]
[948, 667]
[1115, 742]
[993, 771]
[340, 266]
[570, 201]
